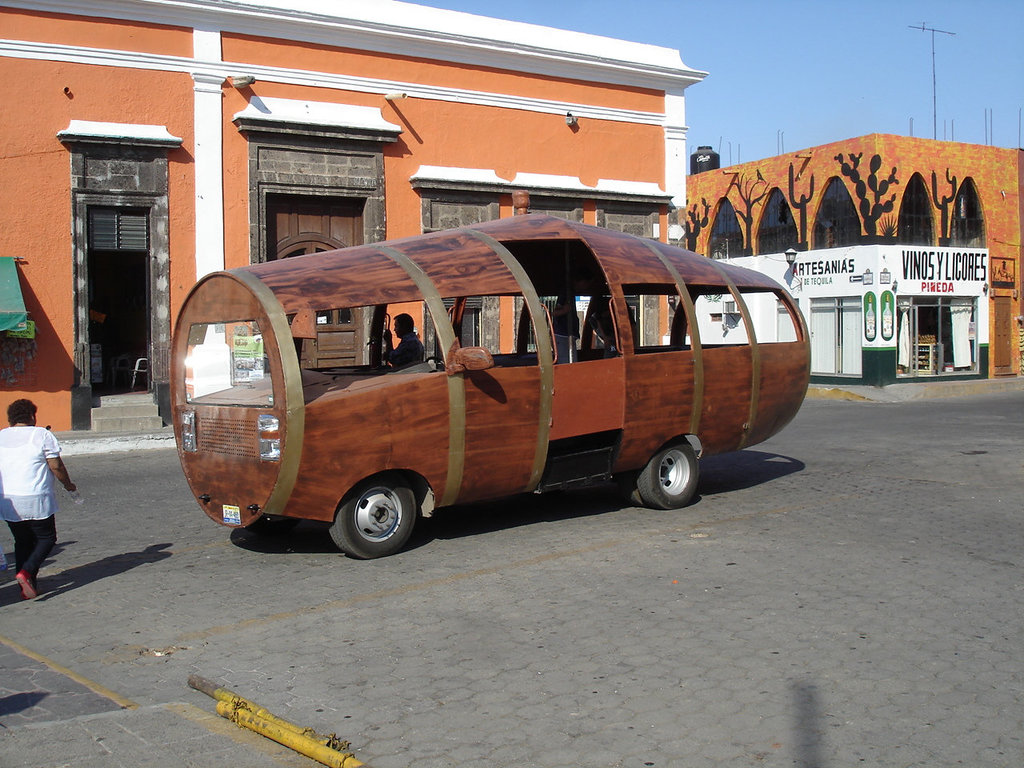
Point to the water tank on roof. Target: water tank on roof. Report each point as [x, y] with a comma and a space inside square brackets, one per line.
[704, 159]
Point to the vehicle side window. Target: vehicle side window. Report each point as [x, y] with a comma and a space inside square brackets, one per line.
[721, 321]
[718, 316]
[657, 318]
[499, 324]
[772, 317]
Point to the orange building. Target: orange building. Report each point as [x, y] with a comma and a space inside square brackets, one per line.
[925, 234]
[148, 143]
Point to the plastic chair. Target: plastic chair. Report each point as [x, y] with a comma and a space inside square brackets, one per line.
[122, 364]
[141, 366]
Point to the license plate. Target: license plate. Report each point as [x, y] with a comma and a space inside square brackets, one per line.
[232, 515]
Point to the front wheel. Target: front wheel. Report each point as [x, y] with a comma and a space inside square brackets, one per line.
[376, 519]
[669, 480]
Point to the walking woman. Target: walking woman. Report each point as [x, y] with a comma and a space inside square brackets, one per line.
[29, 462]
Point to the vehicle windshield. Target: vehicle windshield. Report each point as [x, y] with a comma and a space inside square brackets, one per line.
[227, 364]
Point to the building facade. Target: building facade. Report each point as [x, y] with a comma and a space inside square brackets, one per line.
[904, 254]
[149, 143]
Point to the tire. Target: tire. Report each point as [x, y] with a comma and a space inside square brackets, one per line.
[669, 481]
[376, 518]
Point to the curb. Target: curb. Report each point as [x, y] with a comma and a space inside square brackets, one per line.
[84, 443]
[904, 392]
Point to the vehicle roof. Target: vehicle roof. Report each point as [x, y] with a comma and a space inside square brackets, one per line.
[468, 262]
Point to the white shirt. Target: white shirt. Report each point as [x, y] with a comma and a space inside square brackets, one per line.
[26, 482]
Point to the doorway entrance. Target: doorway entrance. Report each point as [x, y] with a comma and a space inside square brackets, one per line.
[300, 224]
[117, 264]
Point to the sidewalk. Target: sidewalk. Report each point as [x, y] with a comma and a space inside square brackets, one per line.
[917, 390]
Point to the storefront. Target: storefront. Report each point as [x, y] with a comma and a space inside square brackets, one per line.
[879, 314]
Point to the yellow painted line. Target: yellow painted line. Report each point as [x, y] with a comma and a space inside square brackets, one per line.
[92, 685]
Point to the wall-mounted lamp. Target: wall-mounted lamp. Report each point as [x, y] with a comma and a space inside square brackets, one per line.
[984, 289]
[395, 96]
[790, 256]
[571, 120]
[242, 81]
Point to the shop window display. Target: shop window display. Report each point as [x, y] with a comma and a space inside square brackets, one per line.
[937, 335]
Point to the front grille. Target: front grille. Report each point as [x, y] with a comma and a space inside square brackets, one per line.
[228, 436]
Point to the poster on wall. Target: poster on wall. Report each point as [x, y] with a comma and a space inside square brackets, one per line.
[888, 302]
[1004, 273]
[870, 315]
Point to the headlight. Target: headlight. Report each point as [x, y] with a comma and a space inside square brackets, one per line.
[270, 441]
[188, 431]
[270, 450]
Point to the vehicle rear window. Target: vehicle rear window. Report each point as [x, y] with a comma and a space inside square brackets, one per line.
[227, 364]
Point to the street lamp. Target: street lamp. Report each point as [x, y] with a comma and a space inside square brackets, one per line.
[790, 256]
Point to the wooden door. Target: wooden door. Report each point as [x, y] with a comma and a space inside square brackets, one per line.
[1002, 355]
[300, 225]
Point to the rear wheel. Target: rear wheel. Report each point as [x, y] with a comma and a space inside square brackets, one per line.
[376, 519]
[669, 480]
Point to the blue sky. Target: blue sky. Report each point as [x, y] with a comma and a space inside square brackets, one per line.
[790, 74]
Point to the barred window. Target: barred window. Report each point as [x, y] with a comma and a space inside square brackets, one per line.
[777, 231]
[726, 238]
[837, 223]
[968, 225]
[915, 222]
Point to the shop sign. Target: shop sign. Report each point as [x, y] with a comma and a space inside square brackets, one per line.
[823, 271]
[938, 270]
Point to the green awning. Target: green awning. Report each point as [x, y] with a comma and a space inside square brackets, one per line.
[13, 316]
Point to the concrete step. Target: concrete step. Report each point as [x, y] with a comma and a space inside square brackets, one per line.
[132, 412]
[105, 423]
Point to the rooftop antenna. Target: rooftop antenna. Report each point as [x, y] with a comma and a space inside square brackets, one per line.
[923, 28]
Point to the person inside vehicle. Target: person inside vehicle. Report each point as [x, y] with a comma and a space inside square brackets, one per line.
[409, 349]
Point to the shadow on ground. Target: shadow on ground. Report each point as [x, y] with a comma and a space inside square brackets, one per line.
[65, 581]
[719, 474]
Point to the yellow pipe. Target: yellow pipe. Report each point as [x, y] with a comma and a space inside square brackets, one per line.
[287, 736]
[234, 708]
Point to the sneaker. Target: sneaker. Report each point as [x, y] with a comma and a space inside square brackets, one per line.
[28, 587]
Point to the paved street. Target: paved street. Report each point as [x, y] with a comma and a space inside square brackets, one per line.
[847, 593]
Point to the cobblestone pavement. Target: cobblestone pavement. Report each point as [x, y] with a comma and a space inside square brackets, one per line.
[847, 593]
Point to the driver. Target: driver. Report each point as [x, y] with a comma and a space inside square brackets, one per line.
[409, 349]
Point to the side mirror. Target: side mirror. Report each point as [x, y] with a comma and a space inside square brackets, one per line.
[461, 359]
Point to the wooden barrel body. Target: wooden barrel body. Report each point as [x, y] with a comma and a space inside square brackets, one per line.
[262, 433]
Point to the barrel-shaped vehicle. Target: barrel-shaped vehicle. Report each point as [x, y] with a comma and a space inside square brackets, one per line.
[556, 355]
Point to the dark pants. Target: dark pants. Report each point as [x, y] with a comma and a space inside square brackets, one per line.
[33, 540]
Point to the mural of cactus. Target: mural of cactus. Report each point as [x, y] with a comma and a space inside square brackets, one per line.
[697, 222]
[943, 203]
[747, 189]
[871, 191]
[800, 204]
